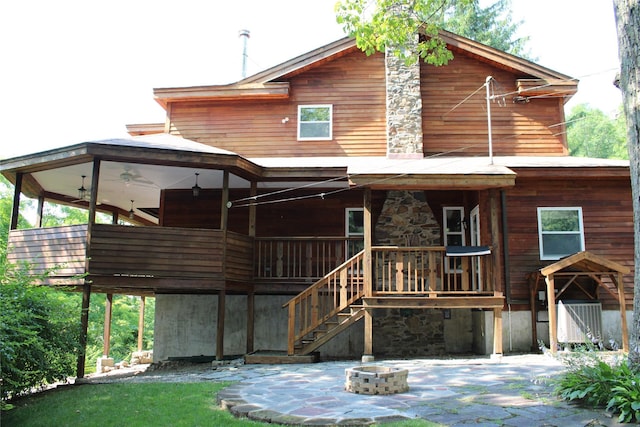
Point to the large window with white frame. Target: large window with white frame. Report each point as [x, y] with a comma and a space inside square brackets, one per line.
[315, 122]
[560, 232]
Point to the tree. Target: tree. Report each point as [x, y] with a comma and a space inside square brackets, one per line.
[493, 26]
[627, 13]
[591, 133]
[382, 24]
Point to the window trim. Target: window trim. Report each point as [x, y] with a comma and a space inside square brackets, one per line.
[300, 122]
[578, 209]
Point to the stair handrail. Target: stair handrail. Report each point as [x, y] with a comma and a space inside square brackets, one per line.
[313, 315]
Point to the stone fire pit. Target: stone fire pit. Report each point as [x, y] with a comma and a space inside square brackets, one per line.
[376, 380]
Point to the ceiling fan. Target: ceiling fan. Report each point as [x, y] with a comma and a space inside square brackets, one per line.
[129, 177]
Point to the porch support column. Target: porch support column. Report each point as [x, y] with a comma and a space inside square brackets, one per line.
[497, 331]
[39, 211]
[251, 299]
[220, 332]
[253, 192]
[224, 217]
[106, 332]
[16, 202]
[553, 320]
[141, 322]
[368, 282]
[623, 314]
[86, 289]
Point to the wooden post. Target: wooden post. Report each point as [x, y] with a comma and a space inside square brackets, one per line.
[497, 331]
[220, 331]
[224, 217]
[368, 230]
[86, 289]
[106, 332]
[141, 323]
[253, 192]
[553, 318]
[368, 334]
[15, 211]
[623, 314]
[39, 211]
[251, 297]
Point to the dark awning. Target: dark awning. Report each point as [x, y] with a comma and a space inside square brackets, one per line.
[467, 250]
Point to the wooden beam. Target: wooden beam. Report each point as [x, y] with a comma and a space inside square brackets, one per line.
[368, 239]
[497, 331]
[15, 211]
[496, 301]
[86, 289]
[251, 298]
[220, 331]
[141, 323]
[368, 333]
[39, 211]
[106, 333]
[623, 313]
[553, 320]
[253, 192]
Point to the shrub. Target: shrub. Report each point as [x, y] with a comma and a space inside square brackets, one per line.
[39, 332]
[595, 381]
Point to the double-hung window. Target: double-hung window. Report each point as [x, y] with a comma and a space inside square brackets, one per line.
[560, 232]
[315, 122]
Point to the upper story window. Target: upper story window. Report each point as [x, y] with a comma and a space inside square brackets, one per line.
[315, 122]
[560, 231]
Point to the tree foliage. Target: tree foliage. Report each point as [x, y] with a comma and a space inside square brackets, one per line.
[591, 133]
[493, 25]
[378, 25]
[39, 332]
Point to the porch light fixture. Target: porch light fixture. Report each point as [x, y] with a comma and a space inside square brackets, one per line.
[196, 188]
[82, 192]
[132, 214]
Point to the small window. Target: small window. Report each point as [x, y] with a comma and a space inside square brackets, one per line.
[560, 232]
[314, 122]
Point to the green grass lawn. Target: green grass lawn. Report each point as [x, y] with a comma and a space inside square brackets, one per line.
[131, 405]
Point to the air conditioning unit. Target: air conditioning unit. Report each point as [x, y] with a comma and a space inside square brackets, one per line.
[579, 321]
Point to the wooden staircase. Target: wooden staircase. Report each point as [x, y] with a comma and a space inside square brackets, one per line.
[326, 308]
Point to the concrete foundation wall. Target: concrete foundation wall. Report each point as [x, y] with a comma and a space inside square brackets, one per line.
[186, 325]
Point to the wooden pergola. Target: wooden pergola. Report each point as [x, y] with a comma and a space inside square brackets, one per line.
[571, 268]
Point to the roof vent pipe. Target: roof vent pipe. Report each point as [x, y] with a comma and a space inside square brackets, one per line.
[244, 35]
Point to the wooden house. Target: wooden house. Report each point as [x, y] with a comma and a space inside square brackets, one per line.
[345, 205]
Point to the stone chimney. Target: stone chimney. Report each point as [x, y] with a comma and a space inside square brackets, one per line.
[404, 108]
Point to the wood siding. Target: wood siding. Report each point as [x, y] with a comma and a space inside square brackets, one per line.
[353, 84]
[451, 122]
[608, 225]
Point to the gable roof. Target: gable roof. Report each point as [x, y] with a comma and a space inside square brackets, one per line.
[266, 84]
[585, 262]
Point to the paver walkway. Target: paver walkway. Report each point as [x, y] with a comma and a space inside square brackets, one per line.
[510, 391]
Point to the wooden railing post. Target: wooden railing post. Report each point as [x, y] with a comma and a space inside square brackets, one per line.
[291, 328]
[368, 276]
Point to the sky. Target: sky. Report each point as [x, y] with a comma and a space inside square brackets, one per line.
[79, 70]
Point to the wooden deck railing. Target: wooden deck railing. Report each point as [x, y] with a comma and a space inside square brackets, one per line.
[138, 252]
[428, 271]
[61, 249]
[326, 298]
[301, 258]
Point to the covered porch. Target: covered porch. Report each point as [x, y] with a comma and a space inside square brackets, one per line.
[146, 185]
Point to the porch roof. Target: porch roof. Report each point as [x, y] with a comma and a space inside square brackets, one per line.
[424, 173]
